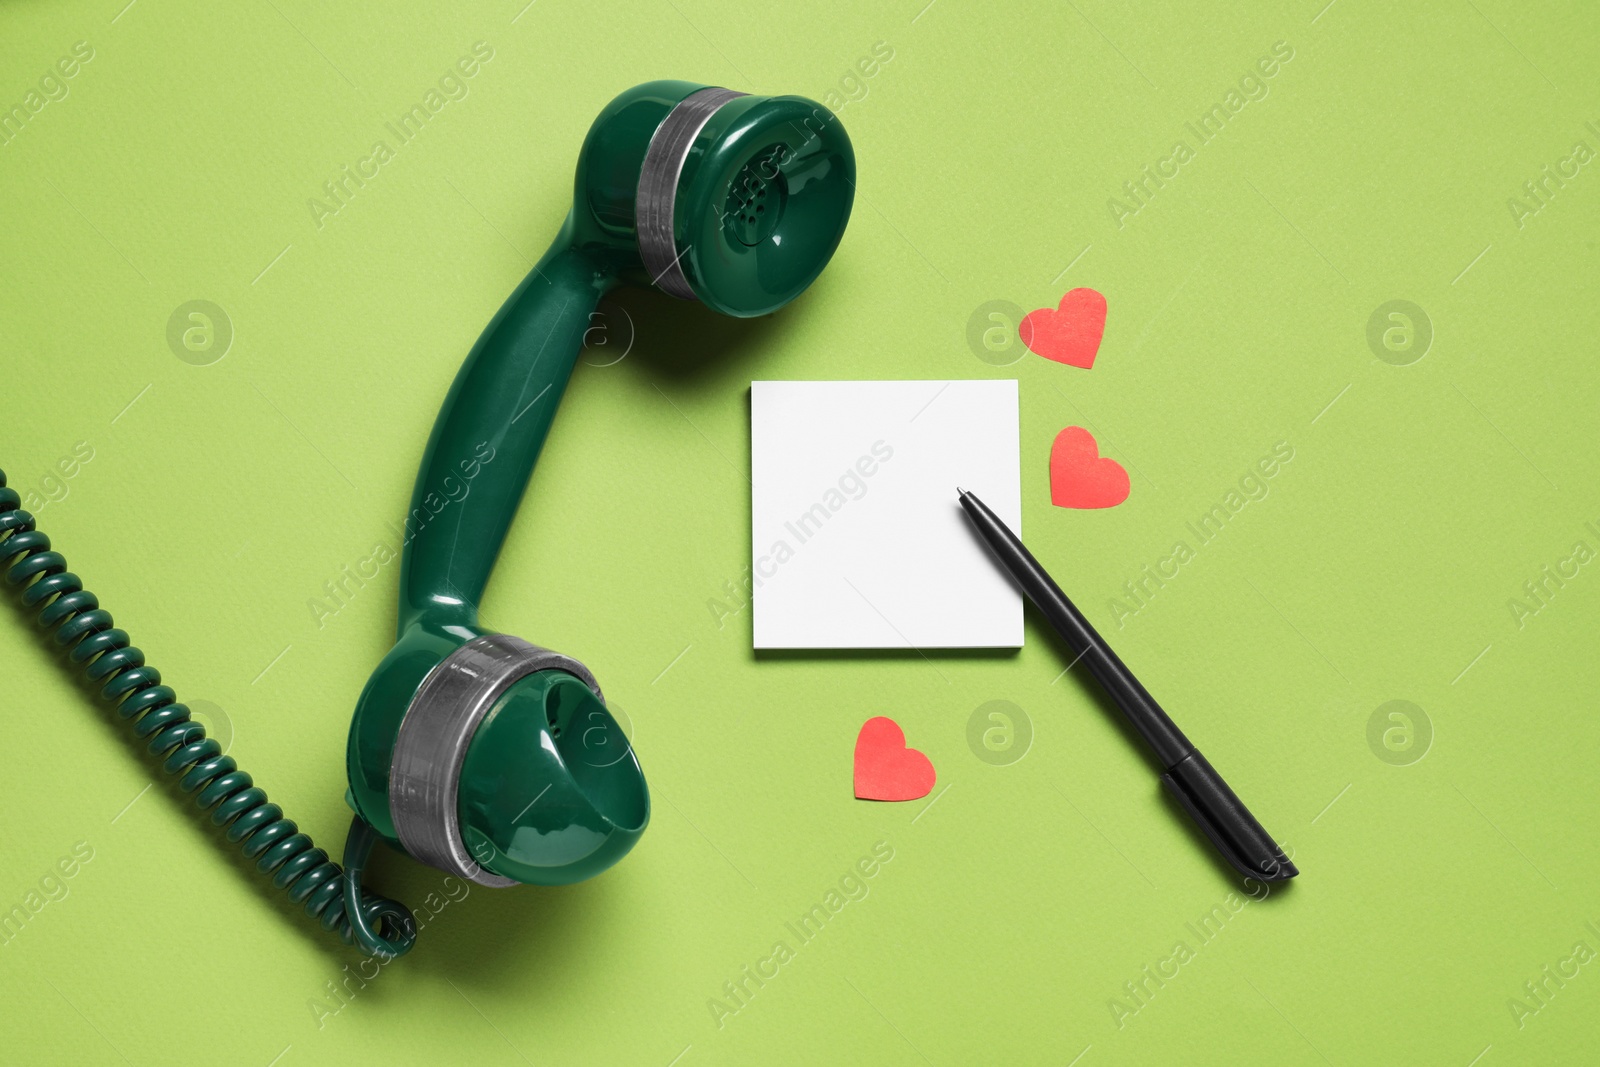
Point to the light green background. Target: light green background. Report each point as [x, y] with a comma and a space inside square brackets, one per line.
[220, 498]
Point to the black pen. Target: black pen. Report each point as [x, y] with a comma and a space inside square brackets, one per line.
[1193, 781]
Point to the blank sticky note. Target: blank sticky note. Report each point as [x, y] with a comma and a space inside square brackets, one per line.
[858, 540]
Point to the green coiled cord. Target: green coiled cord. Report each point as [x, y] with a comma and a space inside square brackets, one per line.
[74, 618]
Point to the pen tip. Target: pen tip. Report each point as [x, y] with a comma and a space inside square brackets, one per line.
[960, 491]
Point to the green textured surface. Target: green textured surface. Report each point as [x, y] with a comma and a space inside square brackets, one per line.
[219, 499]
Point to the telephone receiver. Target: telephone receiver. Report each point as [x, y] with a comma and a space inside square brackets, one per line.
[479, 753]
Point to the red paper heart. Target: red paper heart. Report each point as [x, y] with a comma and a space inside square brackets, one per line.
[1070, 332]
[885, 768]
[1082, 478]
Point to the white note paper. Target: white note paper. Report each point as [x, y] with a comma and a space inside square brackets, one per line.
[858, 540]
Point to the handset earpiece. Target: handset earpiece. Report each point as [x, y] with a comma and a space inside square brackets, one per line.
[478, 753]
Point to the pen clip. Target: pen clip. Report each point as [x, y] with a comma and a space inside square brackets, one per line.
[1224, 819]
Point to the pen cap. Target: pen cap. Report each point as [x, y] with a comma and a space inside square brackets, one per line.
[1226, 821]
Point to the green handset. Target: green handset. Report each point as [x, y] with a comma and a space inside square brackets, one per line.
[475, 752]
